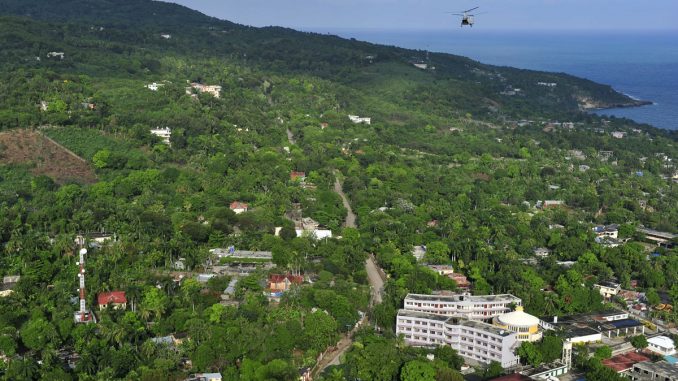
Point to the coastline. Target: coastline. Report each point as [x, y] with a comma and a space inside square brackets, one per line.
[636, 103]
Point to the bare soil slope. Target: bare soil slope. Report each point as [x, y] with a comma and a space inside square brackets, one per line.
[45, 156]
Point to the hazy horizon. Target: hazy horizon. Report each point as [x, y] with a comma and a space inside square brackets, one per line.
[328, 15]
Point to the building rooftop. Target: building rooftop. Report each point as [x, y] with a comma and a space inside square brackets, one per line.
[543, 368]
[518, 318]
[232, 253]
[277, 278]
[422, 315]
[660, 366]
[585, 317]
[606, 228]
[238, 205]
[456, 320]
[608, 283]
[508, 298]
[625, 361]
[441, 267]
[661, 341]
[657, 233]
[512, 377]
[576, 331]
[116, 297]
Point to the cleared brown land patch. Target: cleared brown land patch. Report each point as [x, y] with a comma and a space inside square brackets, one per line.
[45, 156]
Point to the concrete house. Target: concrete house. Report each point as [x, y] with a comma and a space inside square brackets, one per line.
[444, 270]
[608, 289]
[611, 231]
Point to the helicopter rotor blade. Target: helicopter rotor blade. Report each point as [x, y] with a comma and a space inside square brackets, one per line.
[472, 9]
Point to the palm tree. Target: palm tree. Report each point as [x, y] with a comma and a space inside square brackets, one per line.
[133, 292]
[336, 375]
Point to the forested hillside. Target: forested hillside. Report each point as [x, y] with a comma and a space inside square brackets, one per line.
[453, 158]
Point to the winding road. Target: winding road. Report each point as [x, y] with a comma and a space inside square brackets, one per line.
[375, 277]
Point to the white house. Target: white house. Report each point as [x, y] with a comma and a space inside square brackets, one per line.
[314, 233]
[444, 270]
[611, 231]
[662, 345]
[608, 289]
[60, 55]
[163, 133]
[154, 86]
[357, 119]
[618, 134]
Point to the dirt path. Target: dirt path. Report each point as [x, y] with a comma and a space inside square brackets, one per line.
[375, 277]
[290, 137]
[350, 216]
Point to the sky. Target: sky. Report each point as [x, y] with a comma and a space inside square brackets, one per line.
[333, 15]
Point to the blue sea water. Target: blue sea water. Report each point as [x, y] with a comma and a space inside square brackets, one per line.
[643, 64]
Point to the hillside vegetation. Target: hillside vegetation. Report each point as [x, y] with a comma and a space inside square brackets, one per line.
[450, 159]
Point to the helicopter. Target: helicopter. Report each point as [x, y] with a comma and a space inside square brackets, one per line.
[466, 17]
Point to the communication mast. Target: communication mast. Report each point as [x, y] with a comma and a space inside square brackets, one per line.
[82, 315]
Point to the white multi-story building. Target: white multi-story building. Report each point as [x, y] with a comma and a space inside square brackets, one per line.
[163, 133]
[473, 307]
[473, 340]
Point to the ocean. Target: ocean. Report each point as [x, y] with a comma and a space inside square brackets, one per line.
[643, 65]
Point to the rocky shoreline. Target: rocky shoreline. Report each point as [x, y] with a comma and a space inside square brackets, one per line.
[588, 105]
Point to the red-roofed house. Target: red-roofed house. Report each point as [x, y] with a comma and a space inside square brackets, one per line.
[282, 283]
[239, 207]
[294, 176]
[116, 299]
[624, 362]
